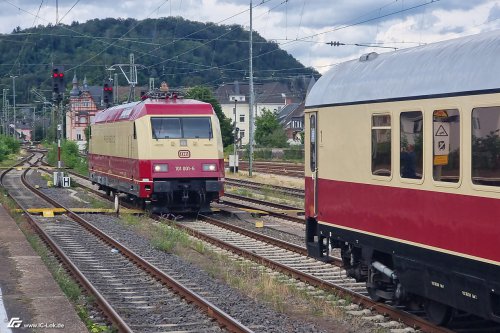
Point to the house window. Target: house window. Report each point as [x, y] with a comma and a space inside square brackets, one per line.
[242, 118]
[242, 133]
[79, 137]
[381, 145]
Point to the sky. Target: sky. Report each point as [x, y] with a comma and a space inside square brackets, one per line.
[300, 27]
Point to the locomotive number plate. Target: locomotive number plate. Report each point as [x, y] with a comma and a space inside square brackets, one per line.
[184, 154]
[184, 168]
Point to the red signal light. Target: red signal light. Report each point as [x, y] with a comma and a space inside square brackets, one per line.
[61, 74]
[55, 75]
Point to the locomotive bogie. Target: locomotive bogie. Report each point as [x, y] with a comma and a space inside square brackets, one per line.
[403, 176]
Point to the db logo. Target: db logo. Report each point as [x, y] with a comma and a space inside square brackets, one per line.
[184, 153]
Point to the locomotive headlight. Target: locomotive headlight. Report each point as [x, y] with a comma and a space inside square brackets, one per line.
[161, 167]
[209, 167]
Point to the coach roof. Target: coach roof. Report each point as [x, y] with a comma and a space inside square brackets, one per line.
[457, 66]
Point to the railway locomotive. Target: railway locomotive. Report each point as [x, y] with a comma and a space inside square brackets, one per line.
[164, 152]
[402, 174]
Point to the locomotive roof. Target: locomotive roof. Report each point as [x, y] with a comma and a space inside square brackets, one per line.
[458, 66]
[134, 110]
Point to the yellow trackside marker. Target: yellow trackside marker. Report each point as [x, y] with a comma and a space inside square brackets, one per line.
[48, 213]
[259, 224]
[19, 169]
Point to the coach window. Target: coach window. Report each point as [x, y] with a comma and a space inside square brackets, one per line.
[313, 152]
[486, 146]
[381, 145]
[411, 144]
[446, 151]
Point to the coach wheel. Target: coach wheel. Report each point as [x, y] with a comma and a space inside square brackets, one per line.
[372, 292]
[438, 313]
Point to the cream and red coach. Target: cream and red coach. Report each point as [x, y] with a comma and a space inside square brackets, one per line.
[165, 151]
[403, 174]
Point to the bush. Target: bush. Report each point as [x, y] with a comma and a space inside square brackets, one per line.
[70, 156]
[295, 153]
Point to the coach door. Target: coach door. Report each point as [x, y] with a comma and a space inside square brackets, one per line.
[313, 156]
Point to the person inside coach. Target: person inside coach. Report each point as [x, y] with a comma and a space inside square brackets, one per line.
[408, 162]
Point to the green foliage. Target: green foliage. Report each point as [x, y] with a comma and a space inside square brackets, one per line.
[70, 156]
[193, 53]
[204, 94]
[294, 153]
[268, 131]
[8, 145]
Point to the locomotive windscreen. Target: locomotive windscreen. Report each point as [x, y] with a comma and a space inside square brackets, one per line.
[181, 127]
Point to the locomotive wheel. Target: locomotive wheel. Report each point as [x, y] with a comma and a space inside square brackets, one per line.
[438, 313]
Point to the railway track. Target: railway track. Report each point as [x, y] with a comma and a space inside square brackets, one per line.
[277, 168]
[289, 191]
[133, 294]
[291, 260]
[286, 212]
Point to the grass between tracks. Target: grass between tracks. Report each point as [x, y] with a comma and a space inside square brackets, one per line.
[70, 287]
[282, 293]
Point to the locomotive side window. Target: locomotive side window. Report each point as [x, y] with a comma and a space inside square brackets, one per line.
[381, 145]
[446, 157]
[411, 144]
[312, 123]
[485, 146]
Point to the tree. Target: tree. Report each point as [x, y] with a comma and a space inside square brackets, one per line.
[268, 130]
[204, 94]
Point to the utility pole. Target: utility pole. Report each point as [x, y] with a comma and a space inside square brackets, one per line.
[5, 107]
[235, 138]
[14, 101]
[115, 89]
[131, 78]
[251, 120]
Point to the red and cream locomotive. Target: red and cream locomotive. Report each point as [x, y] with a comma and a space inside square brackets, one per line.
[164, 151]
[403, 174]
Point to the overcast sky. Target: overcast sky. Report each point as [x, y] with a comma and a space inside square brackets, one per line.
[301, 27]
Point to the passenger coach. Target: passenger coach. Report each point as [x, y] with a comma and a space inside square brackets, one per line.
[403, 174]
[164, 151]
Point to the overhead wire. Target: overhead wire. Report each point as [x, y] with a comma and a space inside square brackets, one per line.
[25, 42]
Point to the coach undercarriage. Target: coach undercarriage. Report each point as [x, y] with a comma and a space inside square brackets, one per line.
[389, 276]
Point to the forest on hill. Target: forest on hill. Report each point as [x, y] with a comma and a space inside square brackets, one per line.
[175, 50]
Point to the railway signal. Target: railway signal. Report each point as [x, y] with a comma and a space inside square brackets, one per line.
[107, 93]
[58, 82]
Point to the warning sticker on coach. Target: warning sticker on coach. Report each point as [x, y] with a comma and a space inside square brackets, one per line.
[441, 140]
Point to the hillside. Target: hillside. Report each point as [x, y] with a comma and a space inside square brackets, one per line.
[181, 52]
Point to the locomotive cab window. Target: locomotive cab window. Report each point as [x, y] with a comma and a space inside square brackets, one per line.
[411, 144]
[381, 145]
[446, 152]
[485, 144]
[177, 128]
